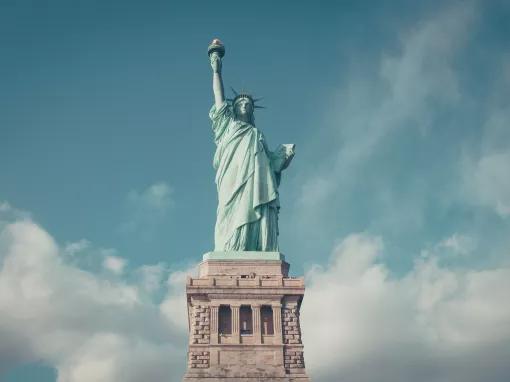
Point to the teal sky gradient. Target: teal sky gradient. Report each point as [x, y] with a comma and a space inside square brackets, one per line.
[401, 128]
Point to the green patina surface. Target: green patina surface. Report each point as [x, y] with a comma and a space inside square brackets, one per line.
[248, 174]
[243, 255]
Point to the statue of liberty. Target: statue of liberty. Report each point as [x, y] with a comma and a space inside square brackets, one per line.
[247, 172]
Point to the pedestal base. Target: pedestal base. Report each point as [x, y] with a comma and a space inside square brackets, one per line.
[247, 379]
[243, 313]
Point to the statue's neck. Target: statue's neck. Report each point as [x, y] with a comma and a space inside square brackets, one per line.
[244, 119]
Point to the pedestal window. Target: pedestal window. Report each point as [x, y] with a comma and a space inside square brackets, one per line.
[246, 320]
[224, 320]
[266, 318]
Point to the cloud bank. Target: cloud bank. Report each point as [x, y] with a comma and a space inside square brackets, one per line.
[360, 322]
[88, 326]
[434, 323]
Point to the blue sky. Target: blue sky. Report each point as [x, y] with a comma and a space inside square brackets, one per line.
[400, 116]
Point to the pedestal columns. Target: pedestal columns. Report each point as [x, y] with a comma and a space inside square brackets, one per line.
[277, 323]
[214, 324]
[257, 335]
[235, 324]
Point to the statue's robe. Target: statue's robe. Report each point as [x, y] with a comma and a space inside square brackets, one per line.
[248, 203]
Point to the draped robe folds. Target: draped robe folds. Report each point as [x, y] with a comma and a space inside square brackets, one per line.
[248, 203]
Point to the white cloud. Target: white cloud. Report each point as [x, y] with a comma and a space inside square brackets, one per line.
[491, 181]
[175, 300]
[114, 264]
[485, 168]
[9, 213]
[432, 324]
[110, 357]
[151, 276]
[155, 197]
[4, 206]
[458, 244]
[88, 326]
[429, 325]
[74, 248]
[146, 208]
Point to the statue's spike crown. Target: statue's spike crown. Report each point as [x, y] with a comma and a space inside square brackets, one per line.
[244, 95]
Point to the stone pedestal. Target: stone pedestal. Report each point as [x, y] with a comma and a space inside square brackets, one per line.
[243, 314]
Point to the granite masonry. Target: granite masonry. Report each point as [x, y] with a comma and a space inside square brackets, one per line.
[243, 312]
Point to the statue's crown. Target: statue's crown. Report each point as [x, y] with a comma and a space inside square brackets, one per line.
[244, 95]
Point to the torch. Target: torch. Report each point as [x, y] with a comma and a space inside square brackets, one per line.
[216, 47]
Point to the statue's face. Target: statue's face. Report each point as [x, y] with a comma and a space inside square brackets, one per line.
[244, 107]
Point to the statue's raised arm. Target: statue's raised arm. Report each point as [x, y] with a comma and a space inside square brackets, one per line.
[216, 52]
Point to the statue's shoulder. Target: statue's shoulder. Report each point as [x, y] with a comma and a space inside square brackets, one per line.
[225, 110]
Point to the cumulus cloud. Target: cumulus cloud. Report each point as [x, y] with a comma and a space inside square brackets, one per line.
[430, 324]
[86, 325]
[111, 357]
[156, 197]
[151, 276]
[175, 300]
[146, 208]
[458, 244]
[489, 181]
[9, 213]
[114, 264]
[361, 323]
[76, 247]
[485, 167]
[4, 206]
